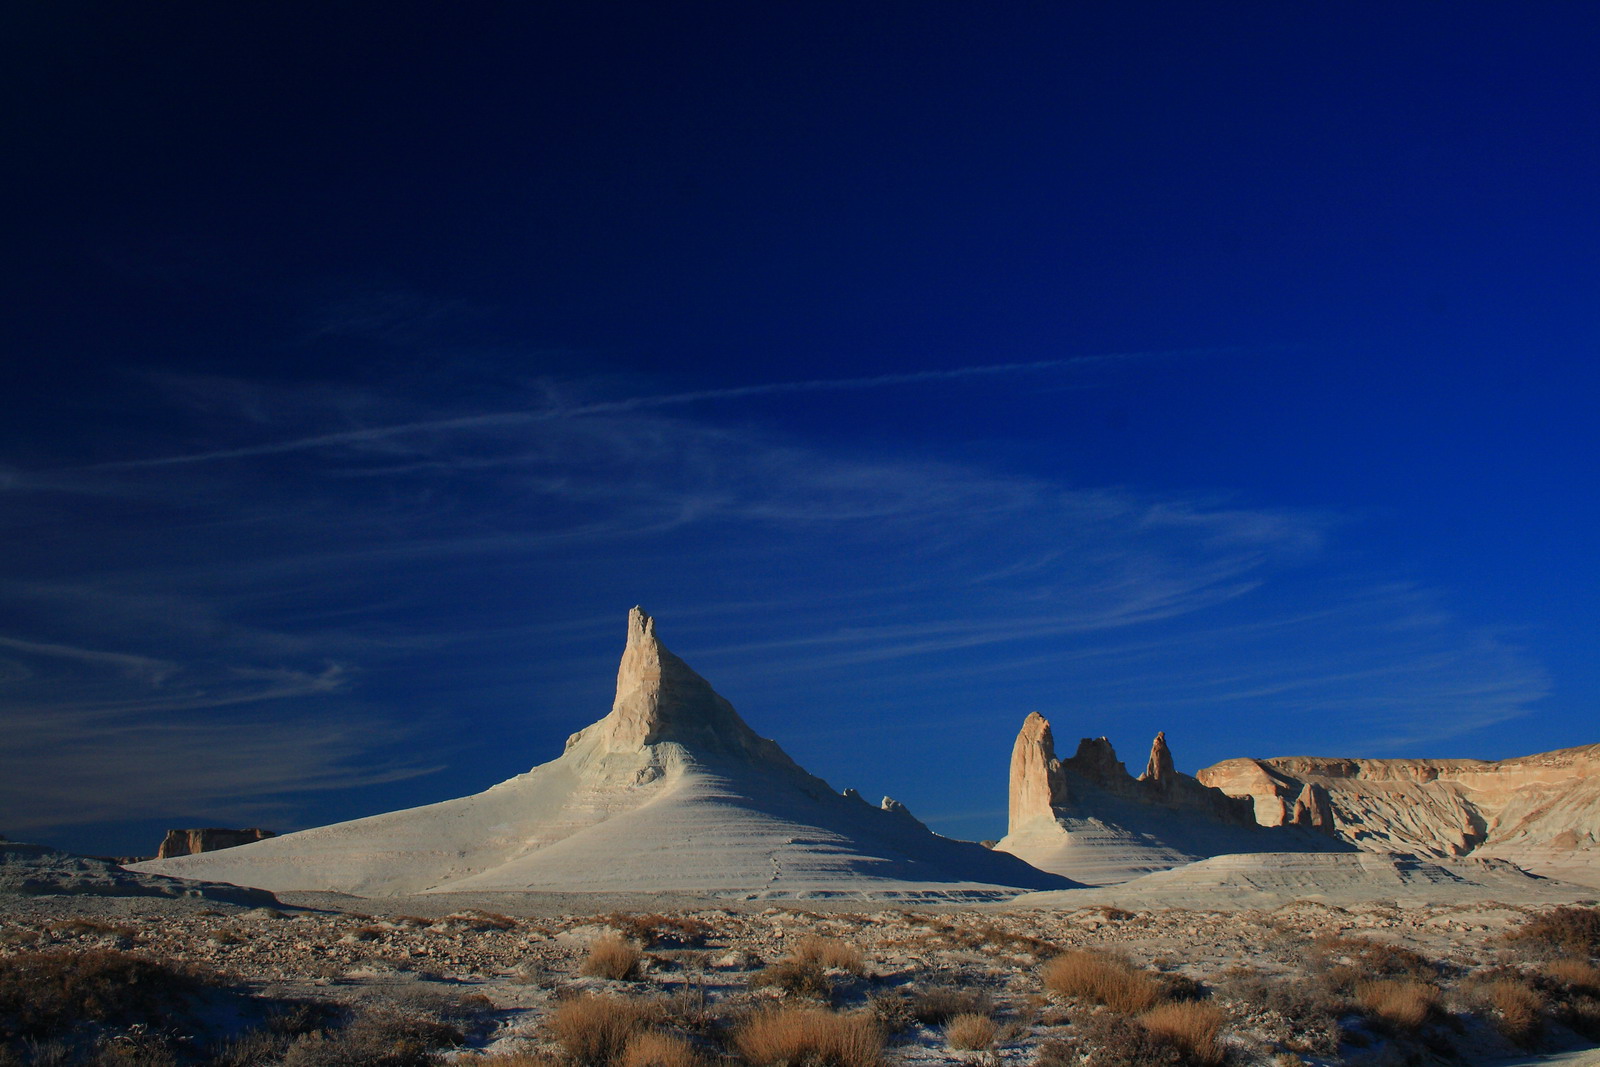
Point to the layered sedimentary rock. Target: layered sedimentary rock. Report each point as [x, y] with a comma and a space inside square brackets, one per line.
[210, 839]
[1087, 818]
[1541, 812]
[1271, 879]
[671, 791]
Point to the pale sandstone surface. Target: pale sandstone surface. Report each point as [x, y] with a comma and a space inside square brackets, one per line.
[1541, 812]
[670, 792]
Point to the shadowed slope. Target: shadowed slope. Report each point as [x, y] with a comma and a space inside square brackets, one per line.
[670, 791]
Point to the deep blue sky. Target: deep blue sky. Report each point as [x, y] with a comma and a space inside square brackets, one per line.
[1223, 370]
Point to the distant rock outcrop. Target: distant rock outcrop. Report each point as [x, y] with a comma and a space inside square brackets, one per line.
[39, 870]
[1541, 812]
[1087, 818]
[210, 839]
[670, 792]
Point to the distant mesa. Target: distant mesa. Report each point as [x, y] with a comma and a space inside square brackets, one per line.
[1541, 812]
[669, 792]
[210, 839]
[1088, 819]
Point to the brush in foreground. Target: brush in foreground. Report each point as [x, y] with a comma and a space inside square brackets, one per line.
[613, 957]
[1103, 979]
[971, 1033]
[1195, 1028]
[810, 1035]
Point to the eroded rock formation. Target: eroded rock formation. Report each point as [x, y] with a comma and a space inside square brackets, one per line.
[1540, 811]
[1087, 818]
[210, 839]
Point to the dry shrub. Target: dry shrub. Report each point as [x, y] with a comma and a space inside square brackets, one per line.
[593, 1030]
[1103, 979]
[653, 1048]
[521, 1058]
[1310, 1012]
[1401, 1004]
[1195, 1029]
[1573, 932]
[812, 1036]
[801, 978]
[1516, 1010]
[1574, 976]
[45, 993]
[83, 927]
[1106, 1039]
[937, 1005]
[830, 954]
[971, 1033]
[1349, 959]
[660, 931]
[478, 921]
[613, 957]
[374, 1039]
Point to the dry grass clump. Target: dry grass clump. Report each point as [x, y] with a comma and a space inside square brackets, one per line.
[1573, 932]
[970, 1032]
[525, 1058]
[612, 956]
[800, 978]
[594, 1030]
[804, 971]
[653, 1048]
[374, 1039]
[939, 1004]
[1103, 979]
[830, 954]
[1574, 976]
[812, 1036]
[1516, 1010]
[1346, 961]
[655, 930]
[50, 993]
[1403, 1005]
[1193, 1028]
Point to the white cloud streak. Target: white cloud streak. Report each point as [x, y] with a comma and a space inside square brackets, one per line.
[497, 420]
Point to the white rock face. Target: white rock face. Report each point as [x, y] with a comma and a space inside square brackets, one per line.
[671, 791]
[1087, 819]
[1541, 812]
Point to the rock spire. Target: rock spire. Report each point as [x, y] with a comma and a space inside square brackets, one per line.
[660, 698]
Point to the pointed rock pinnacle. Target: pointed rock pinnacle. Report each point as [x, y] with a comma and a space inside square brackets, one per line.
[1160, 769]
[1034, 772]
[1311, 809]
[660, 698]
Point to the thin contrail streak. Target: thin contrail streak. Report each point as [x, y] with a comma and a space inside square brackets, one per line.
[604, 407]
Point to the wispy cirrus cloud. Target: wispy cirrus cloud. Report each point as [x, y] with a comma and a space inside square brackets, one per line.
[398, 565]
[490, 421]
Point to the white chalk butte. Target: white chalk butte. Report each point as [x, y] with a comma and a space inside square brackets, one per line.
[671, 791]
[1088, 819]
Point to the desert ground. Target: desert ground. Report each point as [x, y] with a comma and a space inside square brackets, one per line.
[598, 980]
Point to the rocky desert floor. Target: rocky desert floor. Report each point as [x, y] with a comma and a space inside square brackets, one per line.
[644, 981]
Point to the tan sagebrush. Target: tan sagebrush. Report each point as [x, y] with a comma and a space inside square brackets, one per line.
[613, 956]
[1194, 1027]
[971, 1033]
[594, 1029]
[1103, 979]
[810, 1035]
[1401, 1003]
[653, 1048]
